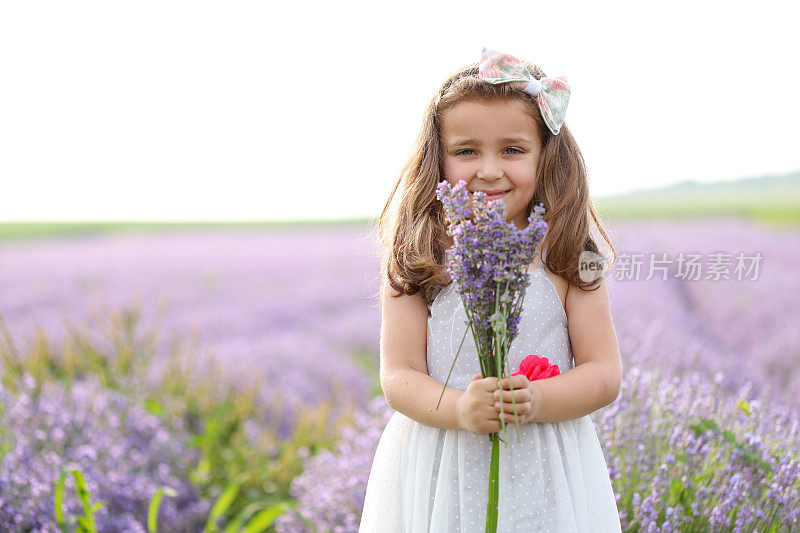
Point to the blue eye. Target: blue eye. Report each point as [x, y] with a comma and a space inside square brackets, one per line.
[470, 150]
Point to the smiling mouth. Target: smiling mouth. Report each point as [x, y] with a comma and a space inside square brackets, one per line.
[492, 195]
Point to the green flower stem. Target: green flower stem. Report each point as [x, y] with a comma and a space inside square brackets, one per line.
[453, 365]
[494, 477]
[516, 422]
[498, 361]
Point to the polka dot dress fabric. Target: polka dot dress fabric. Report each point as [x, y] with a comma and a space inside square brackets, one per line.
[432, 479]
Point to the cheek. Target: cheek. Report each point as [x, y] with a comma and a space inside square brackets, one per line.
[454, 171]
[523, 179]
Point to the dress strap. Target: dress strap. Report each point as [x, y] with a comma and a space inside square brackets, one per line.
[542, 257]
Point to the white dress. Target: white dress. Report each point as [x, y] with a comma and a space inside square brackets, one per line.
[427, 479]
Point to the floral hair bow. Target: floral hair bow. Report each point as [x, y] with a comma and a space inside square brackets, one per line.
[552, 94]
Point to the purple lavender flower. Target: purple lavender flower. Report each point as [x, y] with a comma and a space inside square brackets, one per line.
[684, 441]
[254, 297]
[488, 263]
[336, 504]
[268, 304]
[125, 454]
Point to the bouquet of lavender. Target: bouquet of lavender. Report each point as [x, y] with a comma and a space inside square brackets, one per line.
[489, 264]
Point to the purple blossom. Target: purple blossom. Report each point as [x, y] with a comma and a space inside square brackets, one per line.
[336, 504]
[488, 262]
[690, 349]
[125, 454]
[281, 307]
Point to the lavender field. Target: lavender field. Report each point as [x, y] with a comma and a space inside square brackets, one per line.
[240, 366]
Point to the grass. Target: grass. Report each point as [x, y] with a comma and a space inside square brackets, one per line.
[778, 207]
[773, 200]
[780, 213]
[11, 231]
[255, 518]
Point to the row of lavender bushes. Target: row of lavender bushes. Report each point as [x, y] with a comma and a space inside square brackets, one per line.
[704, 435]
[194, 414]
[203, 450]
[680, 459]
[291, 327]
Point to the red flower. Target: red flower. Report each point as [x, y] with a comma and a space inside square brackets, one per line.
[537, 367]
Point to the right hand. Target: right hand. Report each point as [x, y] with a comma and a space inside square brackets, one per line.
[475, 407]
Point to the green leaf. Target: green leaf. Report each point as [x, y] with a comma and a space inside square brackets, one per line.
[235, 525]
[744, 406]
[83, 493]
[676, 488]
[708, 423]
[155, 504]
[221, 505]
[729, 436]
[264, 519]
[153, 406]
[59, 500]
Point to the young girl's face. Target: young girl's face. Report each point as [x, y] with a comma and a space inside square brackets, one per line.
[493, 147]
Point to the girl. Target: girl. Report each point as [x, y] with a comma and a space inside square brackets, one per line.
[431, 467]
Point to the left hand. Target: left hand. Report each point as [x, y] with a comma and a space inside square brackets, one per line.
[527, 399]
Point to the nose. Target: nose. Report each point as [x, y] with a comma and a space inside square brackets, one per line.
[489, 170]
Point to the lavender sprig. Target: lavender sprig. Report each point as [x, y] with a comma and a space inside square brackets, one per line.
[488, 263]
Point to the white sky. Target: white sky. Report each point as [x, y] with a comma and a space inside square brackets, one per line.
[166, 110]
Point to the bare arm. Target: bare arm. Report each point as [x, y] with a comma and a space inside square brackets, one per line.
[559, 402]
[403, 368]
[595, 380]
[416, 395]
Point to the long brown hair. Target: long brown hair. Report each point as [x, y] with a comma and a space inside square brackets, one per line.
[414, 235]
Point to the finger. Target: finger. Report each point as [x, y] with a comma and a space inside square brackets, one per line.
[522, 407]
[507, 393]
[519, 381]
[505, 408]
[519, 395]
[476, 376]
[509, 406]
[509, 417]
[491, 383]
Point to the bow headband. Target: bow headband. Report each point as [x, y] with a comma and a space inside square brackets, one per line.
[552, 94]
